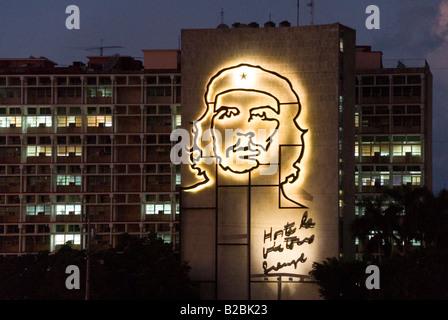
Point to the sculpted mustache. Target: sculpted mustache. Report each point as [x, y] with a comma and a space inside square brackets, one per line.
[251, 147]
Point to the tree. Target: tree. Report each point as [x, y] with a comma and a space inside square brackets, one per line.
[340, 280]
[395, 219]
[375, 228]
[417, 211]
[138, 268]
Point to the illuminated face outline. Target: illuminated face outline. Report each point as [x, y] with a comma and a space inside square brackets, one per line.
[252, 115]
[291, 103]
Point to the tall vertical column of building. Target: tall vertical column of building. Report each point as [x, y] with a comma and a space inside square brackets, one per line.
[260, 206]
[393, 124]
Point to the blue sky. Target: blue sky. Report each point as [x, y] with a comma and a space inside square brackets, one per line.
[411, 29]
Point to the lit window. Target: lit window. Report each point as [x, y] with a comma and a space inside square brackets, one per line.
[38, 151]
[68, 180]
[99, 121]
[100, 92]
[415, 180]
[38, 210]
[165, 237]
[69, 121]
[39, 121]
[178, 179]
[69, 151]
[61, 239]
[402, 150]
[10, 122]
[178, 120]
[158, 208]
[68, 209]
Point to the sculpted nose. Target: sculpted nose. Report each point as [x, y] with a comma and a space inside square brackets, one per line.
[245, 137]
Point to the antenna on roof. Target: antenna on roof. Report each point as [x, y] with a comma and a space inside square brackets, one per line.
[298, 12]
[101, 48]
[222, 15]
[311, 5]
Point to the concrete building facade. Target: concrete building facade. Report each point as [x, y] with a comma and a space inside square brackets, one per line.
[87, 142]
[250, 232]
[393, 123]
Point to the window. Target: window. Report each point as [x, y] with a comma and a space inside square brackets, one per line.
[10, 122]
[99, 121]
[164, 80]
[370, 151]
[10, 92]
[341, 43]
[69, 92]
[100, 92]
[406, 179]
[403, 150]
[69, 151]
[39, 121]
[178, 178]
[161, 208]
[160, 91]
[36, 151]
[61, 239]
[164, 110]
[39, 92]
[38, 210]
[68, 180]
[69, 121]
[68, 209]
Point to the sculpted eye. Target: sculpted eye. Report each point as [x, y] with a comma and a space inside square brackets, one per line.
[227, 112]
[264, 113]
[261, 115]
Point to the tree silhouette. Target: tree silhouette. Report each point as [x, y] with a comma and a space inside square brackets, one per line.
[138, 268]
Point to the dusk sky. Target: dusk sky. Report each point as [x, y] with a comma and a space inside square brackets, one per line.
[411, 29]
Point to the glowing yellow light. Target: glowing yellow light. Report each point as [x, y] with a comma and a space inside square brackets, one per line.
[250, 98]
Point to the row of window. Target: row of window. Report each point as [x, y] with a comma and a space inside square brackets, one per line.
[385, 150]
[380, 180]
[395, 109]
[89, 169]
[89, 110]
[380, 80]
[76, 209]
[92, 92]
[47, 121]
[89, 80]
[44, 181]
[398, 91]
[65, 121]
